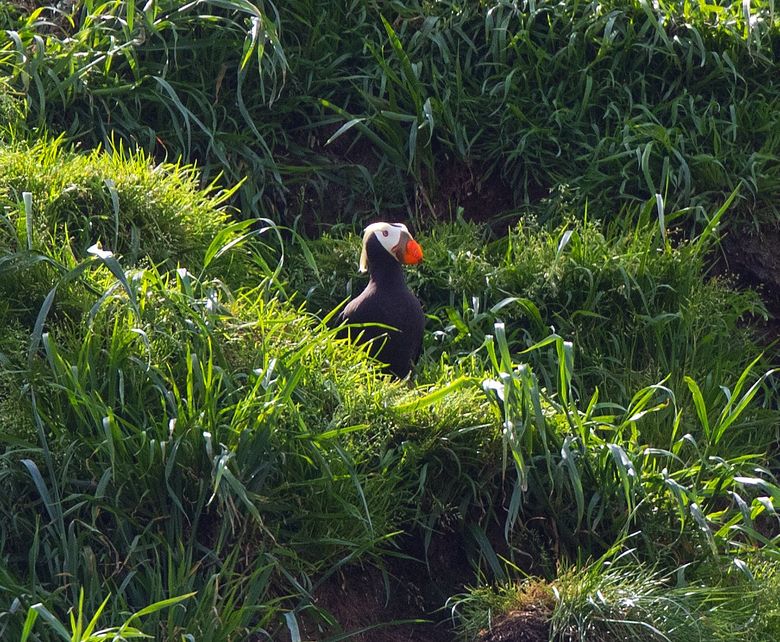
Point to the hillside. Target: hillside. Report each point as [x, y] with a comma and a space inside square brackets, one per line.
[588, 445]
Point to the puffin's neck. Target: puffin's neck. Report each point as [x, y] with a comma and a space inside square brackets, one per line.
[388, 274]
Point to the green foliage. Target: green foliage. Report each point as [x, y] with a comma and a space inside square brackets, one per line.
[13, 417]
[616, 597]
[766, 583]
[85, 632]
[123, 202]
[620, 599]
[407, 107]
[601, 473]
[12, 115]
[128, 71]
[635, 306]
[175, 421]
[149, 393]
[61, 207]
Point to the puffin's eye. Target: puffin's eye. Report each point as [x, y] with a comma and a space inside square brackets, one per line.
[385, 233]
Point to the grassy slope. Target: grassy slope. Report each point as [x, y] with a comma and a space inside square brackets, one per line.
[218, 439]
[174, 421]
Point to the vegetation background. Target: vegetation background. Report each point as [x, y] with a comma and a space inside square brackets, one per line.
[589, 446]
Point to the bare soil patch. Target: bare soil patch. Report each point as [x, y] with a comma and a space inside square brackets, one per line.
[530, 624]
[402, 603]
[754, 257]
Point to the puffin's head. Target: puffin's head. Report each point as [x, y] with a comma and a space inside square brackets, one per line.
[395, 238]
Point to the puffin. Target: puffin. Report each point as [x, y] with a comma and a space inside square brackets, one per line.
[387, 300]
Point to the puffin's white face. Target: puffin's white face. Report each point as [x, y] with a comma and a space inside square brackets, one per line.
[395, 238]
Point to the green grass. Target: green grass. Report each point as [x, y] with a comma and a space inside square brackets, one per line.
[618, 598]
[369, 109]
[186, 448]
[123, 202]
[62, 207]
[179, 422]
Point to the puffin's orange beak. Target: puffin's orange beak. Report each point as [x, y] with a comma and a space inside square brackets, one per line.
[412, 253]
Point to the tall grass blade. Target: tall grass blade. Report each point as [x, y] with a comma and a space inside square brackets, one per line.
[28, 218]
[52, 621]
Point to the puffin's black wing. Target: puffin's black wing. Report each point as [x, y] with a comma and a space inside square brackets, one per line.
[399, 309]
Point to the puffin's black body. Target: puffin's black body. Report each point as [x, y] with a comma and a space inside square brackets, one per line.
[387, 300]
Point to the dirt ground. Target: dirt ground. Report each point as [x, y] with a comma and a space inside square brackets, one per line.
[755, 259]
[407, 593]
[528, 625]
[360, 598]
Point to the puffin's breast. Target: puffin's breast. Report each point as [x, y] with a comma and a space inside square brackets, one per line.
[398, 309]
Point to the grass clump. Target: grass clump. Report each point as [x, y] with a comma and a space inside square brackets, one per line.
[618, 598]
[123, 202]
[220, 460]
[61, 207]
[528, 604]
[631, 602]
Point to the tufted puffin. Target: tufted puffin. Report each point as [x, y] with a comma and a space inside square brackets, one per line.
[387, 299]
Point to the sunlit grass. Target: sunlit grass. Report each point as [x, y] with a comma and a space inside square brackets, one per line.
[616, 597]
[178, 417]
[195, 421]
